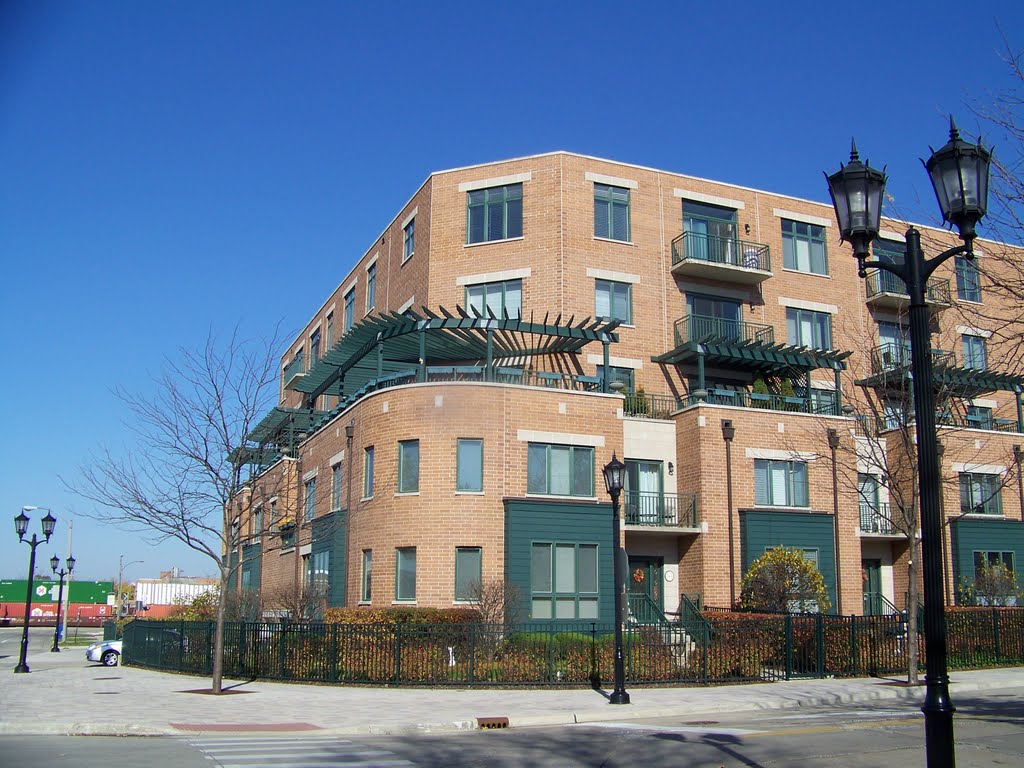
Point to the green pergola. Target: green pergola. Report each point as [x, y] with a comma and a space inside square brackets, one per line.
[397, 346]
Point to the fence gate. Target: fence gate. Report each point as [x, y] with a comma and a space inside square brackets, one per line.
[805, 646]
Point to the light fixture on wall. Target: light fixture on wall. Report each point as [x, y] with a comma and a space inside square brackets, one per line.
[671, 468]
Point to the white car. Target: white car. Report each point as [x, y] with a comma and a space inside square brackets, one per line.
[106, 653]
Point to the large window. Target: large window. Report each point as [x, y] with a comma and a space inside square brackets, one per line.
[366, 584]
[336, 487]
[805, 328]
[494, 214]
[468, 572]
[563, 581]
[350, 310]
[371, 287]
[990, 559]
[314, 347]
[803, 247]
[620, 374]
[980, 494]
[469, 474]
[611, 212]
[710, 232]
[309, 498]
[409, 466]
[258, 520]
[405, 574]
[330, 329]
[368, 472]
[497, 299]
[974, 352]
[780, 483]
[712, 316]
[560, 470]
[409, 240]
[968, 280]
[318, 572]
[613, 301]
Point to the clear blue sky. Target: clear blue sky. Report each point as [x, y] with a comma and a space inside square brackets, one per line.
[170, 167]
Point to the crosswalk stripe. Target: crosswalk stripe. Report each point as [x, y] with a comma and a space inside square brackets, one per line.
[293, 752]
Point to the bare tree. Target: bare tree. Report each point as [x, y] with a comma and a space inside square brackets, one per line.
[186, 476]
[499, 602]
[300, 601]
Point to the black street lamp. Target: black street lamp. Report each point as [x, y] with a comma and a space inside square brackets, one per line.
[54, 564]
[959, 174]
[21, 527]
[614, 478]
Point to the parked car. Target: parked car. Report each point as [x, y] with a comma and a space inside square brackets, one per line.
[107, 653]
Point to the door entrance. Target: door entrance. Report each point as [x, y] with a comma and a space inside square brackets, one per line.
[646, 601]
[871, 576]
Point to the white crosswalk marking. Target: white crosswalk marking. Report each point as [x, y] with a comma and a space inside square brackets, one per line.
[293, 752]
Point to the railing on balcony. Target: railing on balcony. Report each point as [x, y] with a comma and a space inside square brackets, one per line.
[975, 421]
[880, 282]
[874, 518]
[649, 406]
[766, 402]
[891, 357]
[648, 508]
[713, 249]
[294, 369]
[706, 328]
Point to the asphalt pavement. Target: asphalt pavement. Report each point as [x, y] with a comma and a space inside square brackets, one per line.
[65, 694]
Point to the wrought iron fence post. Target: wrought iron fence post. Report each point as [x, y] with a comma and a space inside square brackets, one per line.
[281, 639]
[398, 652]
[241, 646]
[788, 622]
[995, 632]
[705, 634]
[334, 653]
[209, 647]
[853, 646]
[181, 646]
[595, 673]
[819, 631]
[472, 653]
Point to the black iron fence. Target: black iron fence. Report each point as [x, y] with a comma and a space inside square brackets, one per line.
[728, 647]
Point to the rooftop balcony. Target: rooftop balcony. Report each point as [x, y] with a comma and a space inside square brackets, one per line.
[660, 510]
[294, 373]
[695, 254]
[886, 291]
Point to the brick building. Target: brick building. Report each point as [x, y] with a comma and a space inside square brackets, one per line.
[445, 415]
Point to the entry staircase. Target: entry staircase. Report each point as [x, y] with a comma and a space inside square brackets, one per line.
[683, 635]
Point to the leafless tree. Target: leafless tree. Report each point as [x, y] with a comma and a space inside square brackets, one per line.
[188, 469]
[299, 601]
[498, 602]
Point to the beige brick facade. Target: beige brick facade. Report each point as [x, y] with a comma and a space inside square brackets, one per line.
[558, 258]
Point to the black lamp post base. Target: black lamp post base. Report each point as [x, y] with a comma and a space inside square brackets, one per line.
[55, 649]
[21, 668]
[618, 697]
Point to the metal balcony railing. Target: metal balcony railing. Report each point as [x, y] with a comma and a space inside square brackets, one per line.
[713, 249]
[707, 328]
[649, 508]
[649, 406]
[891, 357]
[874, 518]
[881, 282]
[295, 368]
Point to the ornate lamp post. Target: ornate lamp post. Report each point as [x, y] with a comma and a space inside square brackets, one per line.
[959, 175]
[21, 527]
[614, 479]
[54, 564]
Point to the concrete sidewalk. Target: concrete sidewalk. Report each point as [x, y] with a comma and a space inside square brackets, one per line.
[64, 694]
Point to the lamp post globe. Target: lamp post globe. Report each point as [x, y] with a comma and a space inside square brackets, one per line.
[959, 175]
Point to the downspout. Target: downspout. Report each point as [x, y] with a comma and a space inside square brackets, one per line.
[833, 444]
[728, 433]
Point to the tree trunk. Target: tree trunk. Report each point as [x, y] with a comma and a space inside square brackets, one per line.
[218, 635]
[912, 599]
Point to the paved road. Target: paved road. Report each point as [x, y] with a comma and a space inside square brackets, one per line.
[40, 639]
[989, 729]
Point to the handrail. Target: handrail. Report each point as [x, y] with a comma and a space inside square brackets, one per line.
[692, 619]
[875, 518]
[660, 509]
[707, 328]
[643, 610]
[715, 249]
[880, 281]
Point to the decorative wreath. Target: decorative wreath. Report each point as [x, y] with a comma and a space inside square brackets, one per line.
[639, 575]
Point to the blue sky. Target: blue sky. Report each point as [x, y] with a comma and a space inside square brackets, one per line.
[170, 168]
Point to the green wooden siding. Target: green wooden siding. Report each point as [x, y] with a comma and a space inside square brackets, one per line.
[970, 536]
[528, 521]
[252, 565]
[330, 534]
[760, 531]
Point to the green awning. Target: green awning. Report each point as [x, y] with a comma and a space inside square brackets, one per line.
[769, 358]
[962, 382]
[389, 344]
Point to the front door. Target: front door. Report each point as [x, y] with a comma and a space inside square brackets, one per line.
[871, 575]
[644, 497]
[646, 601]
